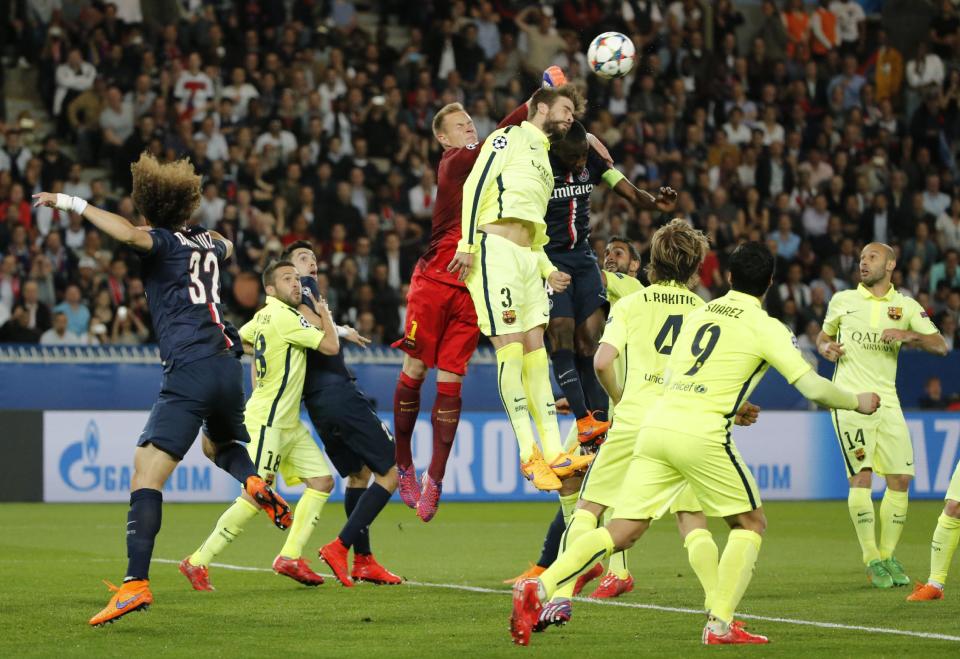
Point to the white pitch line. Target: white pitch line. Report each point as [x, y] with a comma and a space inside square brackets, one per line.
[635, 605]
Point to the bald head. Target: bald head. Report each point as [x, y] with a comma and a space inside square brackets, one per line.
[877, 263]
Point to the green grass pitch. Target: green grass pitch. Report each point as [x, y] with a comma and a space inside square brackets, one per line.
[52, 558]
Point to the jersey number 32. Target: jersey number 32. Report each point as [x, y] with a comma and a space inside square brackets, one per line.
[204, 281]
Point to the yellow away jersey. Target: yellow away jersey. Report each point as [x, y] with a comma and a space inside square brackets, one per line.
[723, 351]
[620, 285]
[643, 327]
[512, 178]
[857, 318]
[280, 336]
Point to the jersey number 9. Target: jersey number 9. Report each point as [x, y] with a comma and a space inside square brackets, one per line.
[204, 282]
[701, 351]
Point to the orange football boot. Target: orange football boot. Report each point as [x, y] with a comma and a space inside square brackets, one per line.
[925, 592]
[271, 502]
[131, 596]
[531, 572]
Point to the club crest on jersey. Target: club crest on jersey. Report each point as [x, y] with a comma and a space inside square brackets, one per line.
[509, 316]
[895, 313]
[584, 175]
[860, 454]
[499, 142]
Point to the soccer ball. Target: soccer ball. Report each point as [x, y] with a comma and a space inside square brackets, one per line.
[611, 55]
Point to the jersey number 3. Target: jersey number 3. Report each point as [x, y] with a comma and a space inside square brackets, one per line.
[204, 289]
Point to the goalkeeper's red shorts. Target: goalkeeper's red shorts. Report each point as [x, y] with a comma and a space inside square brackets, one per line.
[441, 327]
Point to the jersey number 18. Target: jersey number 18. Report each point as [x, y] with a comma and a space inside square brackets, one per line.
[204, 281]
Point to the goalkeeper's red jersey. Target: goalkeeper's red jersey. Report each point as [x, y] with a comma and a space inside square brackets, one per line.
[455, 166]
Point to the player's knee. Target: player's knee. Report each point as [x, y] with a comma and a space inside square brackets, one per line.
[899, 482]
[690, 521]
[625, 534]
[320, 483]
[570, 485]
[952, 509]
[414, 368]
[359, 479]
[863, 478]
[560, 334]
[387, 481]
[585, 344]
[209, 448]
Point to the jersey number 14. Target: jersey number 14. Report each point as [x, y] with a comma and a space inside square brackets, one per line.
[204, 281]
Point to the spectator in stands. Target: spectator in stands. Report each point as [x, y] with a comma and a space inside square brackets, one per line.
[828, 283]
[933, 398]
[59, 333]
[73, 77]
[925, 70]
[823, 28]
[794, 288]
[851, 28]
[921, 245]
[935, 202]
[72, 308]
[888, 68]
[946, 271]
[37, 313]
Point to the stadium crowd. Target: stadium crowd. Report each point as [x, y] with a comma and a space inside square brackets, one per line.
[806, 127]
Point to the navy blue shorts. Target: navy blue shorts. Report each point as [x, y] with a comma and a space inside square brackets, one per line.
[352, 433]
[207, 392]
[585, 294]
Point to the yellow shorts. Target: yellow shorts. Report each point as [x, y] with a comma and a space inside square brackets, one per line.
[506, 287]
[290, 451]
[686, 502]
[604, 478]
[666, 461]
[953, 491]
[880, 442]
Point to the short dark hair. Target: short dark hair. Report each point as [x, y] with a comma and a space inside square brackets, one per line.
[294, 246]
[269, 278]
[634, 252]
[571, 147]
[751, 268]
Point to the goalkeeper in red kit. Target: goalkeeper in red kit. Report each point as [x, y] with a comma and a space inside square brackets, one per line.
[441, 328]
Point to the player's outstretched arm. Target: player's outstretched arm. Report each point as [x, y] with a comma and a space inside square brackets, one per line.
[603, 364]
[826, 394]
[932, 343]
[114, 226]
[665, 200]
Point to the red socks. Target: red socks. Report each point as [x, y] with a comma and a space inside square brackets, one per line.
[406, 407]
[445, 418]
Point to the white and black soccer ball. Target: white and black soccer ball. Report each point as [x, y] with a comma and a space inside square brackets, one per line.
[611, 55]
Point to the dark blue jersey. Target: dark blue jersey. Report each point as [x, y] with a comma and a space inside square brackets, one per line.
[322, 370]
[181, 277]
[568, 211]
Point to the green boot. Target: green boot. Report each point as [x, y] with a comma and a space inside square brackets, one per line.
[896, 572]
[878, 575]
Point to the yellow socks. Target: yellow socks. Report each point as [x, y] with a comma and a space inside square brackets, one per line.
[861, 512]
[304, 519]
[568, 504]
[229, 526]
[893, 516]
[579, 557]
[734, 573]
[944, 543]
[514, 397]
[704, 558]
[581, 522]
[618, 564]
[543, 409]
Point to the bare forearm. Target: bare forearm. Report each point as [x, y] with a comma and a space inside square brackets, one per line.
[608, 380]
[118, 228]
[932, 343]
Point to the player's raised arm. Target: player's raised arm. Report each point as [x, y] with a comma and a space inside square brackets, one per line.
[665, 200]
[115, 226]
[228, 245]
